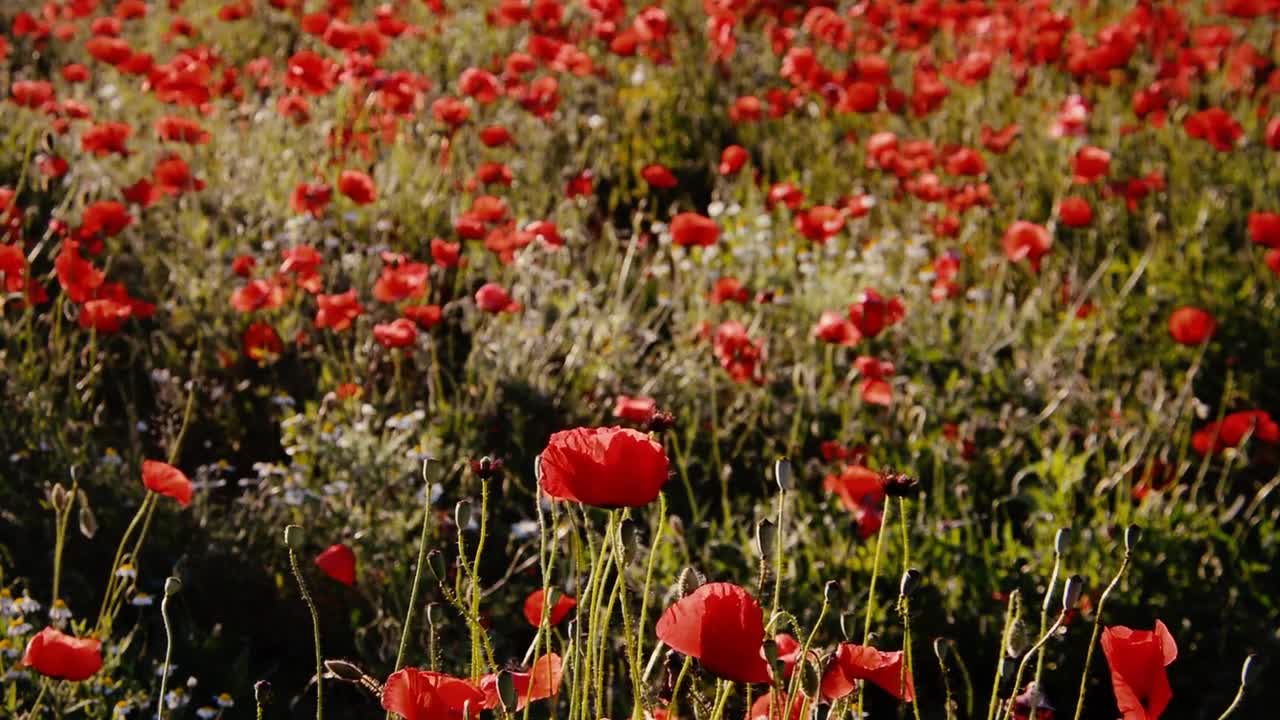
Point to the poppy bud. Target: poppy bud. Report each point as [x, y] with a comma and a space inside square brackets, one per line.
[435, 559]
[343, 670]
[782, 473]
[262, 692]
[940, 648]
[771, 654]
[830, 591]
[88, 522]
[810, 679]
[462, 514]
[1250, 671]
[910, 582]
[689, 581]
[507, 691]
[1018, 640]
[628, 540]
[58, 497]
[1071, 592]
[1061, 540]
[172, 586]
[1132, 535]
[293, 537]
[537, 470]
[766, 536]
[845, 619]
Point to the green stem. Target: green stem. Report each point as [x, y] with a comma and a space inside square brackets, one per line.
[417, 573]
[1010, 617]
[1097, 630]
[904, 604]
[1235, 704]
[315, 632]
[871, 590]
[1044, 620]
[168, 654]
[777, 554]
[1022, 666]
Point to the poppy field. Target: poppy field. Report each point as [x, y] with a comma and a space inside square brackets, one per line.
[648, 359]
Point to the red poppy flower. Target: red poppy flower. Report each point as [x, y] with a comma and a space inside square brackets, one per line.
[659, 176]
[105, 218]
[690, 228]
[873, 314]
[605, 467]
[257, 295]
[999, 141]
[875, 388]
[851, 663]
[167, 480]
[310, 198]
[729, 289]
[112, 51]
[819, 223]
[310, 73]
[533, 608]
[722, 626]
[337, 312]
[786, 193]
[77, 276]
[1027, 241]
[495, 136]
[358, 186]
[1218, 436]
[1271, 134]
[106, 138]
[493, 298]
[31, 93]
[1216, 127]
[426, 695]
[55, 654]
[426, 316]
[262, 344]
[737, 352]
[339, 563]
[445, 254]
[1264, 229]
[542, 681]
[179, 129]
[1089, 164]
[1191, 326]
[1273, 261]
[732, 159]
[1138, 659]
[401, 281]
[1074, 211]
[398, 333]
[638, 410]
[762, 705]
[965, 161]
[450, 111]
[173, 177]
[104, 315]
[856, 486]
[834, 328]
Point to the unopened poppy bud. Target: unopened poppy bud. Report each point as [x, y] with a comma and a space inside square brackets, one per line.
[435, 560]
[343, 670]
[58, 497]
[88, 522]
[262, 692]
[689, 581]
[486, 467]
[940, 648]
[766, 537]
[1061, 540]
[628, 540]
[810, 679]
[783, 475]
[293, 537]
[172, 586]
[507, 691]
[1250, 671]
[910, 582]
[1071, 592]
[830, 592]
[462, 514]
[771, 654]
[661, 421]
[1132, 535]
[898, 484]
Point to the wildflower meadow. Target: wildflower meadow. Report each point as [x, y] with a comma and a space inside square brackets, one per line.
[644, 359]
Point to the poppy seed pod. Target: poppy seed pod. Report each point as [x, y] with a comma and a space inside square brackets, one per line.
[766, 537]
[293, 537]
[1132, 535]
[628, 540]
[462, 514]
[1071, 592]
[262, 692]
[783, 475]
[1061, 540]
[1250, 671]
[910, 582]
[172, 586]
